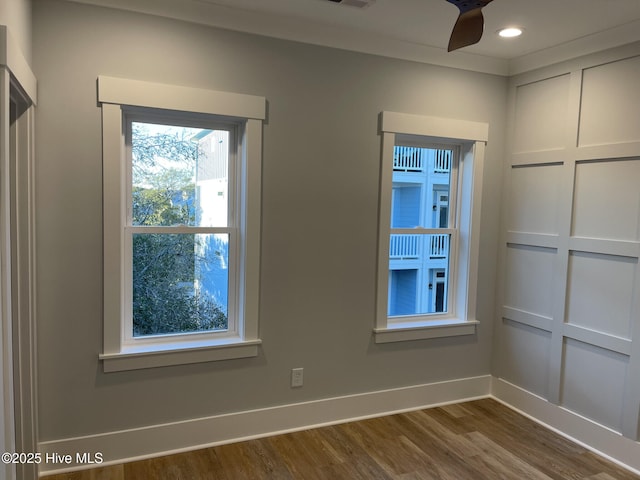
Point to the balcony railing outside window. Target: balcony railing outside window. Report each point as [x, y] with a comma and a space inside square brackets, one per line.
[410, 247]
[412, 159]
[442, 161]
[408, 159]
[438, 246]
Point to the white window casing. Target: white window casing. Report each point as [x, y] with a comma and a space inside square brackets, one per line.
[118, 98]
[470, 139]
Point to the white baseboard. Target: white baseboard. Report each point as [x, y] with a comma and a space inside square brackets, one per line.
[157, 440]
[587, 433]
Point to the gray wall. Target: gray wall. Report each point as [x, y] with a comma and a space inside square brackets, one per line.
[16, 14]
[570, 297]
[320, 196]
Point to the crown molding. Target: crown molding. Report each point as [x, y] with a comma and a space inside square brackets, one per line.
[598, 42]
[291, 28]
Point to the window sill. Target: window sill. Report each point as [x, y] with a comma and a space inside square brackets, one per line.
[150, 356]
[419, 330]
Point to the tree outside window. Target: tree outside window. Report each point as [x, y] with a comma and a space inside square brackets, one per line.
[179, 269]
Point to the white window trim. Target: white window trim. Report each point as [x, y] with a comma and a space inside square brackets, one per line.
[471, 138]
[115, 95]
[232, 229]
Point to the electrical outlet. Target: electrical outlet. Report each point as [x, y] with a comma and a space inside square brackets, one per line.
[297, 377]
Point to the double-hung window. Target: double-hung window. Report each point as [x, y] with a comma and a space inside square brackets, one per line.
[430, 192]
[181, 224]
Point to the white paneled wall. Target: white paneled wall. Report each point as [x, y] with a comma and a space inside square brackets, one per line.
[609, 103]
[570, 291]
[547, 100]
[593, 382]
[534, 199]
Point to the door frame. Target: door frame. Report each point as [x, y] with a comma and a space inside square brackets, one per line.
[18, 396]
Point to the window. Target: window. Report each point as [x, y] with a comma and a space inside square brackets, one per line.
[422, 227]
[430, 191]
[180, 228]
[181, 224]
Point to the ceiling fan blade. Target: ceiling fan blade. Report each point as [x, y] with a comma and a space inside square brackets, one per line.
[467, 30]
[470, 24]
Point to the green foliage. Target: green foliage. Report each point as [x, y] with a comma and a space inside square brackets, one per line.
[165, 299]
[163, 207]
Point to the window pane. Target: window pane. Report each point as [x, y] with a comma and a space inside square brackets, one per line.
[418, 274]
[421, 179]
[180, 283]
[179, 175]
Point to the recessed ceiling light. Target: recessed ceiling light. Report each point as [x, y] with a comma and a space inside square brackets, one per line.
[510, 32]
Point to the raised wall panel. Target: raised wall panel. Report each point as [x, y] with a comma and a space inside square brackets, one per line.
[571, 237]
[609, 107]
[533, 199]
[526, 354]
[593, 382]
[529, 274]
[607, 199]
[600, 292]
[540, 116]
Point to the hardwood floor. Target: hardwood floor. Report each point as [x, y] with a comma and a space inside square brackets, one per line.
[475, 440]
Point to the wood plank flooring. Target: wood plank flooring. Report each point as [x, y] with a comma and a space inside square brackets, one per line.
[469, 441]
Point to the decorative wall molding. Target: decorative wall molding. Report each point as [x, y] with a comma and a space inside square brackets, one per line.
[587, 433]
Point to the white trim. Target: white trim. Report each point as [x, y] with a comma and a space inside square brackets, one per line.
[113, 173]
[604, 246]
[246, 113]
[132, 358]
[576, 64]
[422, 231]
[18, 415]
[591, 44]
[587, 433]
[469, 139]
[402, 331]
[7, 411]
[250, 136]
[157, 440]
[11, 56]
[434, 127]
[122, 91]
[534, 320]
[384, 226]
[24, 279]
[471, 165]
[542, 240]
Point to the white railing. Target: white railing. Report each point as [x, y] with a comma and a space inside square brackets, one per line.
[405, 247]
[442, 161]
[407, 159]
[413, 159]
[439, 246]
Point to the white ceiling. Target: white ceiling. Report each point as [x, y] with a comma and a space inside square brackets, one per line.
[419, 29]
